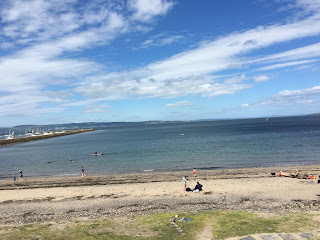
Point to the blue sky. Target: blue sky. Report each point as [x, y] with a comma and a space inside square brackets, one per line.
[137, 60]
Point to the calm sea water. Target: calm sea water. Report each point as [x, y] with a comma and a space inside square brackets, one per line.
[170, 146]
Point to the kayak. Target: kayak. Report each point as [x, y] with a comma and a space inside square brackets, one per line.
[96, 154]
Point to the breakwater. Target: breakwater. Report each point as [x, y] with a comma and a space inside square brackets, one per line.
[34, 138]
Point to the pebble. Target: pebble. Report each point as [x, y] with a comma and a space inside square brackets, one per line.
[22, 213]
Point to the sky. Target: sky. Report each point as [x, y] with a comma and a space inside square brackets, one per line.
[76, 61]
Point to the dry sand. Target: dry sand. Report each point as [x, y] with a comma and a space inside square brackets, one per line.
[92, 197]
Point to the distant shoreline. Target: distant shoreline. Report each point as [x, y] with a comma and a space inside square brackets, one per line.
[8, 142]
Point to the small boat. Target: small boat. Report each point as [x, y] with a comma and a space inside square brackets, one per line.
[97, 154]
[9, 136]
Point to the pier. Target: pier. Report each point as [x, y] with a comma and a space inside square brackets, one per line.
[6, 142]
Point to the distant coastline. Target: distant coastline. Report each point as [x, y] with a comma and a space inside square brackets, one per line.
[8, 142]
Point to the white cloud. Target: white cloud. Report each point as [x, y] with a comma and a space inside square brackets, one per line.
[287, 64]
[310, 51]
[236, 79]
[287, 102]
[315, 91]
[305, 101]
[221, 54]
[149, 87]
[38, 19]
[146, 10]
[27, 104]
[161, 40]
[290, 98]
[261, 78]
[304, 67]
[96, 109]
[192, 72]
[180, 104]
[47, 31]
[309, 6]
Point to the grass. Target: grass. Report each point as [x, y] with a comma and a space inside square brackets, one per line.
[231, 224]
[156, 226]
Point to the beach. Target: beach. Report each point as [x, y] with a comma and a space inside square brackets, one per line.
[94, 197]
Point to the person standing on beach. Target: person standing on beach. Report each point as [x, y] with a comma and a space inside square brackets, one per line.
[185, 183]
[195, 173]
[20, 174]
[82, 172]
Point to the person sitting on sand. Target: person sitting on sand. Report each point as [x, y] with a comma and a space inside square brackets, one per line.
[198, 187]
[282, 174]
[305, 175]
[295, 174]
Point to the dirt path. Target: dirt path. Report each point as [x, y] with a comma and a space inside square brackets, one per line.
[206, 234]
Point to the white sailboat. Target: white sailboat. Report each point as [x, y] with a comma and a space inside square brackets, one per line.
[9, 136]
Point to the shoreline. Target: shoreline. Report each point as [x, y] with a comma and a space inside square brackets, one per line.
[219, 170]
[41, 200]
[144, 177]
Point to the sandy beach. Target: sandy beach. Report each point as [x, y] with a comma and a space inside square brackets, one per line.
[94, 197]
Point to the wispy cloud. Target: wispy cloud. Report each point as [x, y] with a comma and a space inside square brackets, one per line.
[261, 78]
[309, 51]
[194, 72]
[180, 104]
[42, 35]
[161, 40]
[96, 109]
[309, 6]
[298, 94]
[305, 67]
[286, 64]
[290, 98]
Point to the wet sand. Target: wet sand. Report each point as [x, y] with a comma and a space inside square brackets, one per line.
[94, 197]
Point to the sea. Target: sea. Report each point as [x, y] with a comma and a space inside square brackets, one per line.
[169, 146]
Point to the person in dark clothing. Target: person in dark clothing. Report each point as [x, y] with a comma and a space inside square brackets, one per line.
[198, 187]
[82, 172]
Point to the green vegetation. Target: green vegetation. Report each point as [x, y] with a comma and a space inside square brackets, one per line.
[157, 226]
